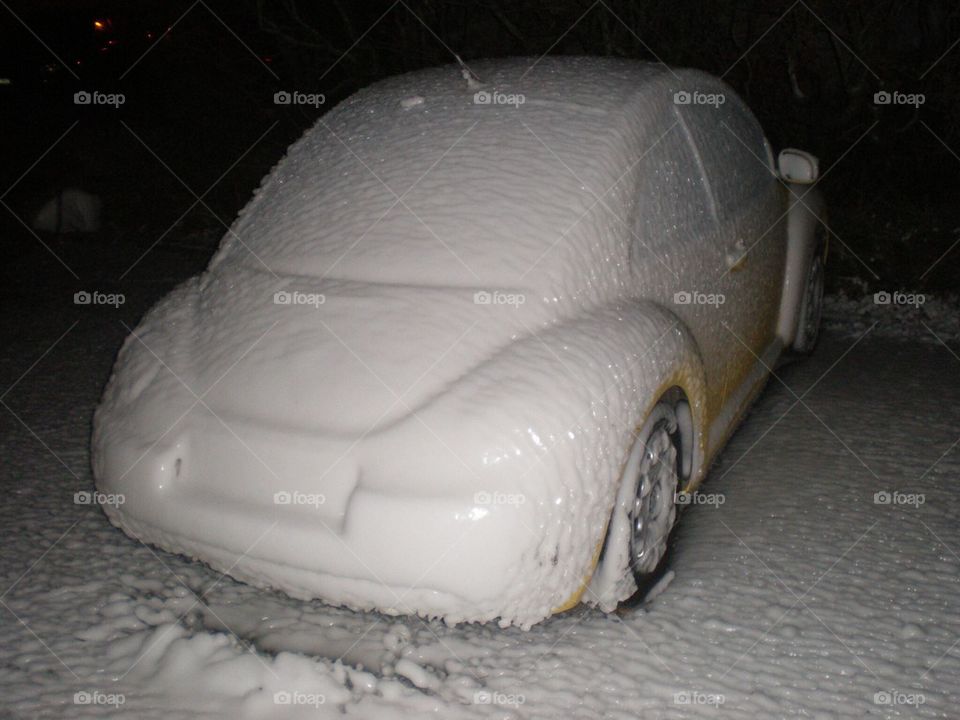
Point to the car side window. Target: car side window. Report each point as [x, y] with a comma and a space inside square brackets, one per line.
[733, 152]
[675, 205]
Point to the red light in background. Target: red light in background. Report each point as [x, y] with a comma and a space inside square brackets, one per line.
[102, 24]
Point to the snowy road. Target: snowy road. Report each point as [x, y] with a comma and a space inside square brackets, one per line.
[800, 595]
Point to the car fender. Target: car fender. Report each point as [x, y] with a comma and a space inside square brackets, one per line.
[550, 417]
[806, 210]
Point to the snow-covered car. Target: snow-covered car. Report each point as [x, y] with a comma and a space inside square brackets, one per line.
[472, 342]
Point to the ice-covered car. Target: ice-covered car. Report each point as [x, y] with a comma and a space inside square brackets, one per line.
[472, 342]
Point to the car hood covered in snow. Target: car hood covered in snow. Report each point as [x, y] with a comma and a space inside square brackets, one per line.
[337, 357]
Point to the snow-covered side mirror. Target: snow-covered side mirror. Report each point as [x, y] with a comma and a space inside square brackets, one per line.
[797, 166]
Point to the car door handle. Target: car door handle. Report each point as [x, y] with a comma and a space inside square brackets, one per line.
[737, 256]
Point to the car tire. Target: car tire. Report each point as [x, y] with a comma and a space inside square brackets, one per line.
[644, 509]
[654, 469]
[811, 308]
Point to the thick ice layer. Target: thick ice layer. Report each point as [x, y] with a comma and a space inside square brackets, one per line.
[439, 324]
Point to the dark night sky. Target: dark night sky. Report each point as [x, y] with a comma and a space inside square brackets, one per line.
[198, 81]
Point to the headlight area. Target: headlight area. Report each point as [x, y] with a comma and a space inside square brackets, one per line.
[469, 545]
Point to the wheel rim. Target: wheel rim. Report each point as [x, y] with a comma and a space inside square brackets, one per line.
[653, 510]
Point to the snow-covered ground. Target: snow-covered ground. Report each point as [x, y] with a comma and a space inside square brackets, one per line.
[908, 315]
[821, 580]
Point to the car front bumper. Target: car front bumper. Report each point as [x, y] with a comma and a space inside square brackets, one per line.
[291, 511]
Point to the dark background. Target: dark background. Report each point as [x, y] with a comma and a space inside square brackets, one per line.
[199, 117]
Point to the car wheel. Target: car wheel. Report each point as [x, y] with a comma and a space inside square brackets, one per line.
[811, 309]
[654, 509]
[645, 507]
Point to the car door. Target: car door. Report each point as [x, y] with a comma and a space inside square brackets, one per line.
[677, 249]
[749, 241]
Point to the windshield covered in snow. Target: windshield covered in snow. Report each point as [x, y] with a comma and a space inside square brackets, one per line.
[457, 208]
[427, 185]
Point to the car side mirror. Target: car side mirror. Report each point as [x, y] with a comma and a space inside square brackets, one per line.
[797, 166]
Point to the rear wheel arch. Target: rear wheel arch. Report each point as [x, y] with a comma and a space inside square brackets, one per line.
[806, 236]
[685, 386]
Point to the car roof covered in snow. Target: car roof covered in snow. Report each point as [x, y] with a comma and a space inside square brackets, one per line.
[518, 176]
